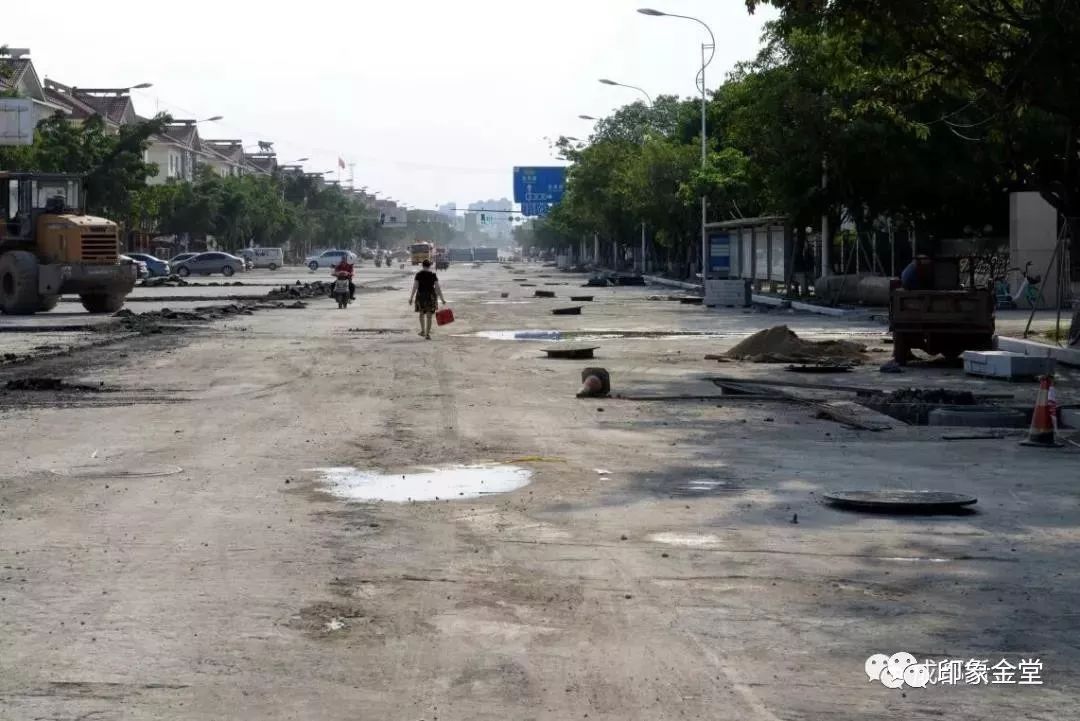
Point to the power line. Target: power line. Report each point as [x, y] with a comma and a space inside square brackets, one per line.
[406, 164]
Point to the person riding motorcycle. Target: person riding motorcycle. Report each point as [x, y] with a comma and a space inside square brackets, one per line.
[347, 268]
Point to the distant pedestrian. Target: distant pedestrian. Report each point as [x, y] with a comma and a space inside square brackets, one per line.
[425, 296]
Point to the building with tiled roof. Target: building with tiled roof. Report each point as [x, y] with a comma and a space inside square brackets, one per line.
[262, 163]
[226, 157]
[18, 76]
[113, 105]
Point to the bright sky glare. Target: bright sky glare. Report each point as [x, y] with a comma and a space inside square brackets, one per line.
[433, 101]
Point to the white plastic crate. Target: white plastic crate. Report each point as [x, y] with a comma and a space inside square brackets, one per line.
[1004, 364]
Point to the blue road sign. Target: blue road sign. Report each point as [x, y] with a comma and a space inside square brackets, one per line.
[535, 209]
[539, 185]
[720, 254]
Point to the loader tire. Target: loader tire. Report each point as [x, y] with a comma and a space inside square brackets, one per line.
[19, 283]
[102, 302]
[47, 302]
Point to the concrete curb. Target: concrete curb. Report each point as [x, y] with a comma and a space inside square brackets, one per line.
[811, 307]
[1067, 356]
[658, 280]
[770, 300]
[834, 312]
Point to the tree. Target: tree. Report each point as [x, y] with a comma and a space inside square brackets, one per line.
[111, 163]
[1008, 66]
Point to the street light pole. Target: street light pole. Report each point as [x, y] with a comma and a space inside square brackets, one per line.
[710, 46]
[648, 97]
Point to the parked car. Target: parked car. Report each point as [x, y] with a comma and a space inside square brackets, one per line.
[272, 258]
[328, 259]
[178, 259]
[156, 266]
[212, 262]
[143, 272]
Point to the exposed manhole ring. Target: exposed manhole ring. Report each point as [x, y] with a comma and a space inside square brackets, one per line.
[978, 417]
[114, 472]
[901, 501]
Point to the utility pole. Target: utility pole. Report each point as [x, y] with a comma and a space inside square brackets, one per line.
[826, 260]
[643, 268]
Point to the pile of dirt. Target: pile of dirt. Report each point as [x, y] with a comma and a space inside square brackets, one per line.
[944, 396]
[780, 344]
[305, 290]
[175, 281]
[151, 321]
[47, 384]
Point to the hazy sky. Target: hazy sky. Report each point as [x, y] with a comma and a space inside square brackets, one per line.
[433, 101]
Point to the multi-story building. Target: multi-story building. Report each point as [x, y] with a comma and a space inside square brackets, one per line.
[226, 157]
[113, 105]
[497, 225]
[18, 76]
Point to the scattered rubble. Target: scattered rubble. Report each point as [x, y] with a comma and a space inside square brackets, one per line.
[314, 289]
[780, 344]
[48, 384]
[175, 281]
[172, 281]
[151, 321]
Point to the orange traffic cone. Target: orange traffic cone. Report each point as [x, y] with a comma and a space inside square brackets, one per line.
[1044, 419]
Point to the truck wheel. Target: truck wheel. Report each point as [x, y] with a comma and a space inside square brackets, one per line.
[47, 302]
[273, 266]
[901, 349]
[19, 283]
[102, 302]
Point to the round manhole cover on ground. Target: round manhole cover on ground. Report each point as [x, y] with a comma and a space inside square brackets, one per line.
[901, 501]
[105, 471]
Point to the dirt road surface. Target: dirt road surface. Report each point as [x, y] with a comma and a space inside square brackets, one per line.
[167, 551]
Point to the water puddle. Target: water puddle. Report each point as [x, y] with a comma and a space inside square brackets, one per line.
[112, 471]
[688, 540]
[424, 484]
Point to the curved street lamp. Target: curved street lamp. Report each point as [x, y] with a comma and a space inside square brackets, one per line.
[648, 97]
[705, 62]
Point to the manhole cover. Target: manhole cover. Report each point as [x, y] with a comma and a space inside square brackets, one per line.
[901, 501]
[114, 472]
[571, 353]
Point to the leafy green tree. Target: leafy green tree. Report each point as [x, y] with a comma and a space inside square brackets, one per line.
[111, 163]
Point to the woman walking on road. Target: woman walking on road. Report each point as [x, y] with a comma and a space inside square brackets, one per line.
[425, 291]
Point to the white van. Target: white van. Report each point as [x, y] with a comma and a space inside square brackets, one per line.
[272, 258]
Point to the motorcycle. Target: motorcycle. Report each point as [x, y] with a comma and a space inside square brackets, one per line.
[340, 291]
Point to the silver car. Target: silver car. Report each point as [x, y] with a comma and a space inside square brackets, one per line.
[176, 260]
[211, 262]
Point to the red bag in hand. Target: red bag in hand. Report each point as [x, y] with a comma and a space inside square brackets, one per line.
[444, 316]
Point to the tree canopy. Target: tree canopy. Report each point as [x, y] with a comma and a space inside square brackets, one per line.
[925, 113]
